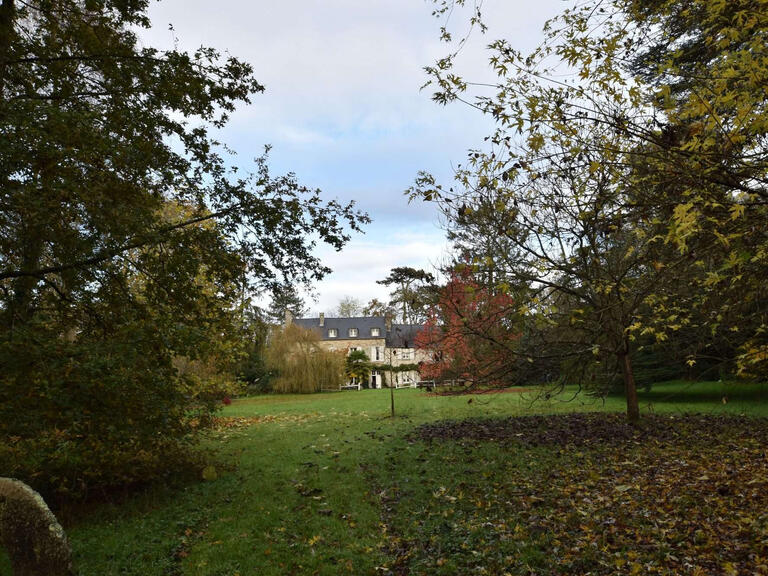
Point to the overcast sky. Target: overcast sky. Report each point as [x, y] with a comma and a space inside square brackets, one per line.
[343, 109]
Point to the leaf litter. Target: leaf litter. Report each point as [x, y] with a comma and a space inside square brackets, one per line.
[584, 494]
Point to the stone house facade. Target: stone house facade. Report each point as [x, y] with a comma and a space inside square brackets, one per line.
[390, 347]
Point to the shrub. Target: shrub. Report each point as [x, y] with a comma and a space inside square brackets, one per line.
[89, 413]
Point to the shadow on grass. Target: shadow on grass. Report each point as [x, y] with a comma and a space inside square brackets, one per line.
[704, 393]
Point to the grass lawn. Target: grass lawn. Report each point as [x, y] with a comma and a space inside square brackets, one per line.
[329, 484]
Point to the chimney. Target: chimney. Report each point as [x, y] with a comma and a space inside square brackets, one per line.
[288, 317]
[322, 319]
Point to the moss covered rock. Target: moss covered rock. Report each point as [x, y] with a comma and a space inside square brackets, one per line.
[30, 533]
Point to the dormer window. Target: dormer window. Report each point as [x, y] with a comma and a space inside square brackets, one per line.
[332, 333]
[353, 332]
[375, 332]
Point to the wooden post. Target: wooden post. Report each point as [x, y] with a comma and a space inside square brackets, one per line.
[391, 387]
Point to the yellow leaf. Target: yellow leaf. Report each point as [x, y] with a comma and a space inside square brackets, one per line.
[209, 473]
[314, 540]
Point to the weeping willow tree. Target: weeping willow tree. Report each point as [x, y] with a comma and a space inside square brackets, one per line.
[299, 364]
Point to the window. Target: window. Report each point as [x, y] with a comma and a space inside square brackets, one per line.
[375, 332]
[353, 332]
[332, 333]
[403, 354]
[376, 353]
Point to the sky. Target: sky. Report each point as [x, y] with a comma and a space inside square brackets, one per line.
[344, 109]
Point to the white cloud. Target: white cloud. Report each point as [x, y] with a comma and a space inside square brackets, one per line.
[358, 267]
[344, 110]
[300, 136]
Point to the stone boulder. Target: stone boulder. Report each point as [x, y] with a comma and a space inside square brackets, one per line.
[30, 533]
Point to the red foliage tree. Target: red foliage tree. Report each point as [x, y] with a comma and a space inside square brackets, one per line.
[470, 333]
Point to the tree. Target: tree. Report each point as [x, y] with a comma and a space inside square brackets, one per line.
[411, 291]
[654, 148]
[358, 366]
[299, 365]
[285, 298]
[251, 368]
[375, 307]
[705, 62]
[471, 333]
[348, 307]
[126, 241]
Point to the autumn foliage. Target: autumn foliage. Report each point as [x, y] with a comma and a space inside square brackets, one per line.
[471, 333]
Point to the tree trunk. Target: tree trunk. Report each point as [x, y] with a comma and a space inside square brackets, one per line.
[630, 389]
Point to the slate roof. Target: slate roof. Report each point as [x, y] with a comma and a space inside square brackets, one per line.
[400, 335]
[342, 326]
[403, 335]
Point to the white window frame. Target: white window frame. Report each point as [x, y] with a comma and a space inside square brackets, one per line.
[375, 332]
[332, 333]
[352, 332]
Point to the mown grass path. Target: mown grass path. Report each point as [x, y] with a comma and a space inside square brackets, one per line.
[329, 484]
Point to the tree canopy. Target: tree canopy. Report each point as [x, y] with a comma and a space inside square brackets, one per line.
[348, 307]
[285, 298]
[376, 307]
[357, 366]
[471, 333]
[127, 238]
[299, 365]
[624, 187]
[412, 292]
